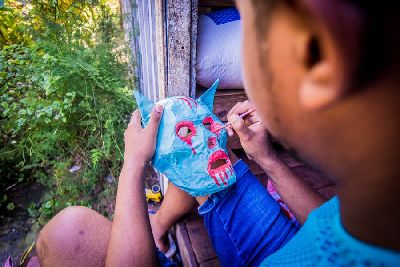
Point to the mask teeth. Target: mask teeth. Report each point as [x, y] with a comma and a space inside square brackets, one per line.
[226, 174]
[215, 177]
[224, 177]
[218, 176]
[229, 171]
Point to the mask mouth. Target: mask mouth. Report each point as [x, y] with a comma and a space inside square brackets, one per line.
[220, 167]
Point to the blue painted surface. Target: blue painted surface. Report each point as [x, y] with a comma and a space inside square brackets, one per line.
[186, 162]
[224, 16]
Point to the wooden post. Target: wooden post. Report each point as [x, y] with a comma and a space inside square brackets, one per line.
[181, 18]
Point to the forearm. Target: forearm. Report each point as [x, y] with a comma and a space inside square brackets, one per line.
[300, 197]
[131, 242]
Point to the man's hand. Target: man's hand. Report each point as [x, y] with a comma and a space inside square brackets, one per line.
[251, 131]
[255, 141]
[140, 143]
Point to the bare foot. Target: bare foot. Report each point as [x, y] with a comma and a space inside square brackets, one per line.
[160, 236]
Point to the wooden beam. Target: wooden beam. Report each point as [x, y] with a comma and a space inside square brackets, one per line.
[201, 243]
[185, 247]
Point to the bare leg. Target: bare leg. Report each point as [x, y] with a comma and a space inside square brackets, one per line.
[77, 236]
[176, 203]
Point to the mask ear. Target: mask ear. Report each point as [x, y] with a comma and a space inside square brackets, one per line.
[208, 97]
[145, 106]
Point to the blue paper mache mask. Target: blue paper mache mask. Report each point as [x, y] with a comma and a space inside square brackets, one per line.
[188, 152]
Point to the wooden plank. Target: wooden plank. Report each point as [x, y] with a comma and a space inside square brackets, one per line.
[224, 100]
[201, 243]
[184, 245]
[211, 263]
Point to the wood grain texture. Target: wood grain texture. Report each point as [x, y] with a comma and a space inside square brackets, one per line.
[224, 100]
[201, 243]
[184, 245]
[210, 263]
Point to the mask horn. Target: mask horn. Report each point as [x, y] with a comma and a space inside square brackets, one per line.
[208, 97]
[145, 106]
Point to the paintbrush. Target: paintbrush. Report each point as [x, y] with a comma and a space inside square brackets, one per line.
[241, 116]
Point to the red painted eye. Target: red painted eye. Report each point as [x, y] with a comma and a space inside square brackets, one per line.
[185, 130]
[208, 122]
[211, 125]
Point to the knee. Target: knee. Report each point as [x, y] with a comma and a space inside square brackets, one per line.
[65, 221]
[63, 235]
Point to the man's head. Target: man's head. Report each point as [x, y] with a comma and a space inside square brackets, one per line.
[190, 150]
[320, 73]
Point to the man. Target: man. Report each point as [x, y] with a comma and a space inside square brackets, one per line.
[322, 75]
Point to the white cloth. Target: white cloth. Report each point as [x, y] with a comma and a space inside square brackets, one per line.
[218, 54]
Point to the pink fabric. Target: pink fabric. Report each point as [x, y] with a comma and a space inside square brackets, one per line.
[272, 191]
[9, 262]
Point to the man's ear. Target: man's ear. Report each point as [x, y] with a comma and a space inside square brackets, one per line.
[319, 86]
[329, 52]
[145, 106]
[208, 97]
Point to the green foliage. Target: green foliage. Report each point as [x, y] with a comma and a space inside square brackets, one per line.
[64, 100]
[13, 27]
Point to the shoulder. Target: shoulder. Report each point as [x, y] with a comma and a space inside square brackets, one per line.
[322, 241]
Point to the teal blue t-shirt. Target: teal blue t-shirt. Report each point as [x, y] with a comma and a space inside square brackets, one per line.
[322, 241]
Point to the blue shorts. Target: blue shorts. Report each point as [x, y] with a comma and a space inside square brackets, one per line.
[244, 222]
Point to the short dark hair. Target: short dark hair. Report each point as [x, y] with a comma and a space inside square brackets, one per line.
[380, 39]
[380, 51]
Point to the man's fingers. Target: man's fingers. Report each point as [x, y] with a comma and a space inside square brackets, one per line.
[234, 108]
[135, 118]
[238, 125]
[229, 130]
[154, 121]
[251, 119]
[241, 108]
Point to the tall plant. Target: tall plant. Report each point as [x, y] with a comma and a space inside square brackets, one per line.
[65, 99]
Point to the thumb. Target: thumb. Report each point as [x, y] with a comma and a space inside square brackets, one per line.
[154, 122]
[239, 125]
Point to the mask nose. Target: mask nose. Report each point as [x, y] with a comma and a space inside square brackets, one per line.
[211, 142]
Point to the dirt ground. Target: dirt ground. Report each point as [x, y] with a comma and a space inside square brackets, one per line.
[17, 229]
